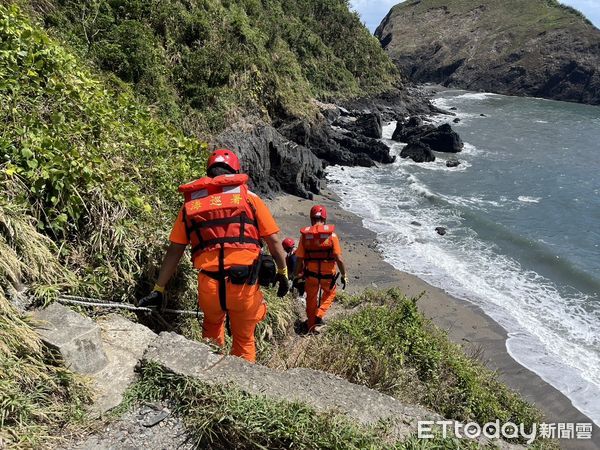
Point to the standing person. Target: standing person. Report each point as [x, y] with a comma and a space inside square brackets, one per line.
[289, 245]
[224, 223]
[319, 256]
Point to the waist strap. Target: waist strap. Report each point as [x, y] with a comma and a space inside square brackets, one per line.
[327, 276]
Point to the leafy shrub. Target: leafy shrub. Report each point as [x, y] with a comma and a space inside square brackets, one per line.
[199, 62]
[94, 169]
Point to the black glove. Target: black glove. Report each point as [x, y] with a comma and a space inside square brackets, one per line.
[284, 284]
[343, 280]
[155, 300]
[299, 284]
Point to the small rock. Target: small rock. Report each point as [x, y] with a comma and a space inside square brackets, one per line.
[482, 115]
[152, 419]
[454, 108]
[456, 120]
[440, 230]
[414, 222]
[452, 163]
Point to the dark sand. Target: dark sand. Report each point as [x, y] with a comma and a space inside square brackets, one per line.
[466, 323]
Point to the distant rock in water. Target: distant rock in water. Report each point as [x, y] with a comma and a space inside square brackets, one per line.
[440, 139]
[456, 120]
[452, 163]
[440, 230]
[443, 139]
[537, 48]
[418, 152]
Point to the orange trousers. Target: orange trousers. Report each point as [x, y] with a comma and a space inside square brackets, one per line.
[314, 308]
[246, 308]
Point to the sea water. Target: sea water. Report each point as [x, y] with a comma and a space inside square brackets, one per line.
[522, 213]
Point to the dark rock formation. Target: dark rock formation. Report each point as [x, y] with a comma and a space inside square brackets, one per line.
[443, 139]
[418, 152]
[411, 130]
[440, 230]
[273, 162]
[338, 147]
[544, 50]
[440, 139]
[452, 163]
[456, 120]
[369, 125]
[395, 104]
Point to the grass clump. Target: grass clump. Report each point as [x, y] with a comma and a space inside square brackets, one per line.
[220, 417]
[38, 396]
[389, 346]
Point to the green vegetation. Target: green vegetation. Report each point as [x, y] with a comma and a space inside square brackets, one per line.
[38, 396]
[389, 346]
[224, 418]
[85, 164]
[203, 63]
[524, 19]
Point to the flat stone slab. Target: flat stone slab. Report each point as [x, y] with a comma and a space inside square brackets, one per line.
[320, 390]
[124, 343]
[77, 338]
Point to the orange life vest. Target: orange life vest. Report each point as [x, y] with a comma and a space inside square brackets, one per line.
[218, 214]
[317, 242]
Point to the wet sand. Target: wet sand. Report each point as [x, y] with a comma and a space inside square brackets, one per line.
[465, 323]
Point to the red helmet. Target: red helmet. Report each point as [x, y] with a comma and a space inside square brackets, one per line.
[224, 157]
[318, 212]
[288, 244]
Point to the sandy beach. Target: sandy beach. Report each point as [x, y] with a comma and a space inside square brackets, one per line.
[465, 323]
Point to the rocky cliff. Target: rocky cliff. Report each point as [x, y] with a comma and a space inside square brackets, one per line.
[519, 47]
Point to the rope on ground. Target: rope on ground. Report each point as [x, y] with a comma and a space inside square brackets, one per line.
[96, 303]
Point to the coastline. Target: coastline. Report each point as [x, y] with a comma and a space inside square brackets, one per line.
[465, 323]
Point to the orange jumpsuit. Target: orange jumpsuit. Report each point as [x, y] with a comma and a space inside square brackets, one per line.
[245, 303]
[314, 307]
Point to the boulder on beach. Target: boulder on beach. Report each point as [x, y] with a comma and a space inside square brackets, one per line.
[418, 152]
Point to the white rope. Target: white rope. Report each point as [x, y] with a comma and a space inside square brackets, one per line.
[94, 302]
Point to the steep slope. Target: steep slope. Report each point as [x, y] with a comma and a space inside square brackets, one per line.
[203, 63]
[520, 47]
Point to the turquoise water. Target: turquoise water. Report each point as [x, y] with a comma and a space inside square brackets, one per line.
[523, 219]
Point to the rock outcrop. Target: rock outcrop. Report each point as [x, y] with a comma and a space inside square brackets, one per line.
[107, 351]
[425, 138]
[274, 163]
[535, 48]
[338, 144]
[418, 152]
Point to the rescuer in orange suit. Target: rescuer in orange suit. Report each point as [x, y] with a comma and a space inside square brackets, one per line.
[319, 256]
[225, 225]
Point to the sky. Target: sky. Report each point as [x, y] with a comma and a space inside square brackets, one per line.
[373, 11]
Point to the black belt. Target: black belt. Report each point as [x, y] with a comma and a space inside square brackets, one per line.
[308, 273]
